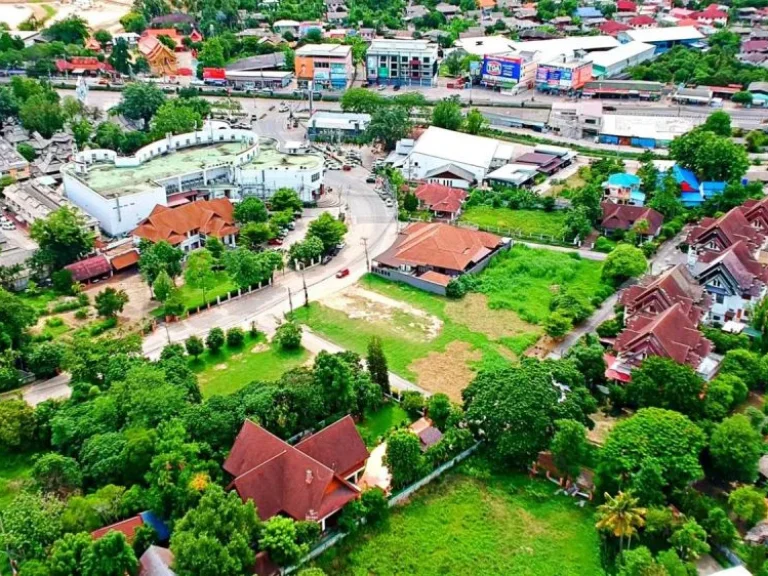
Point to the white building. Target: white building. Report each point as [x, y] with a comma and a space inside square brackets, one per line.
[455, 159]
[215, 162]
[338, 125]
[36, 199]
[494, 45]
[615, 61]
[396, 61]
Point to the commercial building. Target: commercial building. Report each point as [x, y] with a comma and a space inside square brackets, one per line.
[12, 163]
[258, 79]
[576, 119]
[455, 159]
[337, 125]
[273, 61]
[214, 162]
[623, 89]
[35, 199]
[664, 38]
[563, 75]
[402, 62]
[497, 45]
[508, 71]
[517, 175]
[615, 61]
[650, 132]
[326, 65]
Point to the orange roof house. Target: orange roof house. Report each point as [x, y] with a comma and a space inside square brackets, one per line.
[486, 4]
[308, 481]
[442, 200]
[175, 225]
[161, 59]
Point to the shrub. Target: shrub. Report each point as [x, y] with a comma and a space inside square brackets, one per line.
[603, 244]
[215, 339]
[98, 328]
[235, 337]
[66, 306]
[62, 281]
[413, 402]
[455, 289]
[557, 325]
[288, 336]
[253, 332]
[194, 346]
[45, 359]
[81, 314]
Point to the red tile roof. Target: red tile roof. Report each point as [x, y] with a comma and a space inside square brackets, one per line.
[750, 275]
[439, 246]
[626, 6]
[213, 217]
[441, 198]
[754, 46]
[281, 478]
[172, 33]
[338, 446]
[730, 228]
[127, 527]
[657, 293]
[92, 267]
[642, 20]
[85, 63]
[612, 28]
[122, 261]
[670, 334]
[623, 217]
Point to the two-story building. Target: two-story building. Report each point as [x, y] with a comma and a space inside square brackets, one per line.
[402, 62]
[325, 65]
[623, 188]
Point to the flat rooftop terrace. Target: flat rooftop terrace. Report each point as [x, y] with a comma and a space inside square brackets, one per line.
[268, 158]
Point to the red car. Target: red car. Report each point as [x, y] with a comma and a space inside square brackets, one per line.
[275, 242]
[342, 273]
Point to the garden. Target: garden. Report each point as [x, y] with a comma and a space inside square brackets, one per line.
[477, 520]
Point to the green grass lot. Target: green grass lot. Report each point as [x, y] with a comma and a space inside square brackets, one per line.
[229, 370]
[194, 298]
[529, 222]
[40, 301]
[476, 521]
[376, 424]
[15, 470]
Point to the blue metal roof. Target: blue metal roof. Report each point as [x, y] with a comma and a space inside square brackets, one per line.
[684, 175]
[624, 180]
[637, 197]
[588, 12]
[712, 188]
[160, 527]
[691, 198]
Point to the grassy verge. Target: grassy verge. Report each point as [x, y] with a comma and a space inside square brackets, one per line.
[193, 297]
[528, 222]
[477, 521]
[377, 424]
[15, 471]
[229, 370]
[40, 301]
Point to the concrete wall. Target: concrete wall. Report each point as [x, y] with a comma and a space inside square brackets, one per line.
[397, 276]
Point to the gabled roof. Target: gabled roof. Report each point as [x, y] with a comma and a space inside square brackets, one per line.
[213, 217]
[657, 293]
[281, 478]
[172, 33]
[623, 217]
[641, 20]
[89, 268]
[670, 334]
[439, 246]
[127, 527]
[749, 275]
[441, 198]
[623, 179]
[612, 28]
[730, 228]
[626, 6]
[453, 170]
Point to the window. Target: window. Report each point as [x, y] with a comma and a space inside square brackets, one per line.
[716, 283]
[316, 177]
[719, 298]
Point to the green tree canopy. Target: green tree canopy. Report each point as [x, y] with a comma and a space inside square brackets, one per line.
[736, 448]
[624, 262]
[141, 100]
[61, 237]
[447, 114]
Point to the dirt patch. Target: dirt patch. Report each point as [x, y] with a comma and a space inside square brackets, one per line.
[260, 347]
[473, 312]
[603, 425]
[222, 366]
[400, 317]
[448, 371]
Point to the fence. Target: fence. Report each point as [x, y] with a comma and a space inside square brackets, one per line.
[520, 235]
[231, 295]
[332, 539]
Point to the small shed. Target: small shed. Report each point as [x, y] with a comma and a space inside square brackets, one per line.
[90, 268]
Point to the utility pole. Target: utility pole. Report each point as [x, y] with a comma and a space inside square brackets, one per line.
[290, 301]
[306, 292]
[367, 261]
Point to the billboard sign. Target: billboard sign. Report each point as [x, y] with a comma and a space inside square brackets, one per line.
[501, 69]
[570, 78]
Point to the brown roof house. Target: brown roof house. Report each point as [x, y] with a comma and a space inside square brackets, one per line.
[187, 226]
[312, 480]
[430, 255]
[444, 202]
[717, 234]
[625, 217]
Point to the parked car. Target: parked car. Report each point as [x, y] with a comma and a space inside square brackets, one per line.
[342, 273]
[371, 179]
[381, 87]
[347, 167]
[396, 88]
[389, 203]
[275, 242]
[326, 259]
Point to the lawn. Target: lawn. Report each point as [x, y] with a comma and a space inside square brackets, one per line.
[193, 298]
[529, 222]
[40, 300]
[228, 370]
[377, 424]
[476, 521]
[15, 470]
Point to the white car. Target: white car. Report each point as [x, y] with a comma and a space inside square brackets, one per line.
[389, 203]
[8, 226]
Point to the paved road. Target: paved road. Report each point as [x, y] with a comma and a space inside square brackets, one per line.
[57, 388]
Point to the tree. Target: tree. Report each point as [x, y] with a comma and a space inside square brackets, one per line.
[279, 538]
[621, 516]
[244, 267]
[711, 157]
[215, 247]
[362, 101]
[15, 317]
[748, 503]
[653, 437]
[377, 364]
[72, 30]
[26, 151]
[17, 425]
[254, 234]
[719, 122]
[9, 105]
[194, 346]
[110, 555]
[577, 224]
[569, 447]
[475, 122]
[199, 272]
[67, 554]
[388, 125]
[557, 326]
[588, 358]
[624, 262]
[666, 199]
[81, 131]
[173, 117]
[288, 336]
[404, 458]
[328, 229]
[110, 302]
[286, 199]
[721, 530]
[333, 375]
[447, 114]
[215, 339]
[45, 358]
[250, 210]
[690, 540]
[163, 286]
[31, 523]
[744, 365]
[664, 383]
[743, 97]
[40, 114]
[439, 409]
[155, 257]
[308, 250]
[61, 237]
[736, 448]
[119, 57]
[410, 202]
[212, 54]
[235, 337]
[141, 100]
[57, 474]
[648, 174]
[723, 393]
[639, 562]
[215, 537]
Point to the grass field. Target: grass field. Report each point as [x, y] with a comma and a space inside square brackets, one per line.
[15, 470]
[530, 222]
[229, 370]
[476, 521]
[193, 298]
[377, 424]
[39, 301]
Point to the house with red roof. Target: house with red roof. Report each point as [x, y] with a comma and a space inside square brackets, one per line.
[612, 27]
[312, 480]
[188, 225]
[710, 16]
[129, 526]
[161, 59]
[642, 21]
[626, 6]
[445, 202]
[626, 217]
[717, 234]
[430, 255]
[95, 267]
[83, 65]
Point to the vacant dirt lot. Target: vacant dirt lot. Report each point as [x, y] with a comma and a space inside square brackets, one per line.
[447, 372]
[473, 312]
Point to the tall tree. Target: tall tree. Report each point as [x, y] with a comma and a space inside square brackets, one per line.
[664, 383]
[156, 257]
[388, 125]
[328, 229]
[404, 458]
[719, 122]
[569, 447]
[110, 555]
[173, 117]
[621, 515]
[280, 539]
[61, 237]
[624, 262]
[250, 210]
[447, 114]
[648, 174]
[475, 122]
[72, 30]
[110, 302]
[120, 58]
[377, 364]
[140, 101]
[736, 448]
[39, 114]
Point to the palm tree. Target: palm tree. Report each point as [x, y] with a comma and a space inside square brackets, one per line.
[621, 516]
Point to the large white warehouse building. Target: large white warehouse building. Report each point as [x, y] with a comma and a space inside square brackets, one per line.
[613, 62]
[214, 162]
